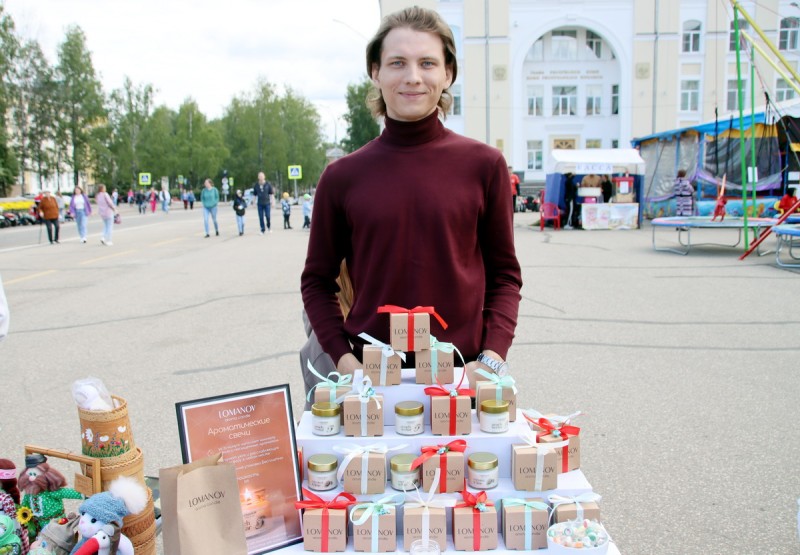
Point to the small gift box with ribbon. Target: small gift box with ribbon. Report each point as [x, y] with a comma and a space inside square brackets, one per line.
[474, 523]
[555, 429]
[331, 389]
[325, 522]
[492, 386]
[410, 328]
[442, 466]
[375, 525]
[534, 465]
[579, 507]
[525, 523]
[451, 409]
[437, 365]
[363, 468]
[382, 363]
[363, 411]
[426, 519]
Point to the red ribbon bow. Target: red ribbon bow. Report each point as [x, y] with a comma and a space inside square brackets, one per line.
[441, 391]
[317, 502]
[428, 451]
[394, 309]
[471, 501]
[567, 431]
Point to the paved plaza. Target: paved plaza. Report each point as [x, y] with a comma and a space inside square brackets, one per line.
[686, 366]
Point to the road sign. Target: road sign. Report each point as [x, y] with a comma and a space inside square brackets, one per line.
[145, 179]
[295, 172]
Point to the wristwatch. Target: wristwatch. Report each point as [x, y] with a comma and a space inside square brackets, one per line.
[499, 367]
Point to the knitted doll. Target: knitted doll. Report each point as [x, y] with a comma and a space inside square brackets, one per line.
[10, 544]
[44, 492]
[124, 496]
[104, 542]
[9, 498]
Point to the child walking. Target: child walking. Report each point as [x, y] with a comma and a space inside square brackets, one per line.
[287, 210]
[239, 206]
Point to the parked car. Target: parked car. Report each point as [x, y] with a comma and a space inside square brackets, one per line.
[11, 218]
[27, 219]
[3, 222]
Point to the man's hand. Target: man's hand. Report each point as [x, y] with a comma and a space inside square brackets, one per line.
[348, 364]
[474, 365]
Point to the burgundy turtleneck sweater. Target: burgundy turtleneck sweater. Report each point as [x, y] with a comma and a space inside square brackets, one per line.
[423, 217]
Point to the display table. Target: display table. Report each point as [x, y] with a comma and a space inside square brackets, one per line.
[610, 216]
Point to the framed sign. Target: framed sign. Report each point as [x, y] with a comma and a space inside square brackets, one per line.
[254, 431]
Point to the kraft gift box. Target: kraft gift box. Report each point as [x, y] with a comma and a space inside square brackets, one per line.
[337, 530]
[441, 416]
[322, 394]
[444, 367]
[398, 328]
[514, 526]
[376, 474]
[573, 451]
[372, 366]
[523, 468]
[569, 511]
[454, 478]
[488, 390]
[437, 526]
[387, 532]
[464, 532]
[352, 416]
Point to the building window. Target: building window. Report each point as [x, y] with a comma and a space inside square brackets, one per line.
[593, 96]
[536, 53]
[783, 91]
[564, 45]
[690, 96]
[614, 100]
[743, 26]
[594, 143]
[614, 143]
[535, 101]
[594, 43]
[535, 155]
[565, 101]
[731, 99]
[691, 36]
[455, 109]
[790, 27]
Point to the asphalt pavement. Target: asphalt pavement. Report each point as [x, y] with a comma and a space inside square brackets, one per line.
[685, 366]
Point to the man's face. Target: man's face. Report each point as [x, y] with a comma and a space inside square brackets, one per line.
[412, 74]
[261, 177]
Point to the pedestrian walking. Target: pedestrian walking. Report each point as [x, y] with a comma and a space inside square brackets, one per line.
[141, 202]
[684, 195]
[209, 197]
[307, 206]
[130, 196]
[107, 211]
[115, 196]
[286, 207]
[239, 206]
[185, 199]
[153, 199]
[80, 208]
[265, 195]
[165, 199]
[191, 199]
[48, 211]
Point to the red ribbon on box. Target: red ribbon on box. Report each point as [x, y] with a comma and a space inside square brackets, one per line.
[478, 504]
[317, 502]
[394, 309]
[429, 451]
[441, 391]
[566, 431]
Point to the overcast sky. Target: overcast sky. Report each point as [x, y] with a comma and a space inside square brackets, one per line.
[211, 50]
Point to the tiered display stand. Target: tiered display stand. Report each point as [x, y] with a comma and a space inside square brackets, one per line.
[569, 484]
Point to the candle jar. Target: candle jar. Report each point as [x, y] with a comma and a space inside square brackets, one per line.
[409, 419]
[482, 471]
[322, 472]
[420, 546]
[403, 478]
[325, 420]
[494, 416]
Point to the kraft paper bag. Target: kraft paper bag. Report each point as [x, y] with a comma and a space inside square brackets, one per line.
[201, 509]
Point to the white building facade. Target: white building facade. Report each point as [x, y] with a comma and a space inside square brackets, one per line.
[535, 75]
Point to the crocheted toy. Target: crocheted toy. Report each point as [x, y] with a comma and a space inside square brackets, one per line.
[124, 496]
[104, 542]
[10, 544]
[9, 498]
[44, 492]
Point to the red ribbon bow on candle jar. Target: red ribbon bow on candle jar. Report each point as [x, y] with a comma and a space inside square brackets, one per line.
[394, 309]
[429, 451]
[317, 502]
[442, 391]
[479, 504]
[565, 431]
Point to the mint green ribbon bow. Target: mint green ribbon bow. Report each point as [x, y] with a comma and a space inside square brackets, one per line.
[334, 380]
[499, 381]
[437, 346]
[373, 510]
[529, 507]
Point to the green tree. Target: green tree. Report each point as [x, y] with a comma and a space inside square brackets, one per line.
[82, 112]
[130, 109]
[199, 147]
[301, 126]
[157, 152]
[361, 126]
[8, 52]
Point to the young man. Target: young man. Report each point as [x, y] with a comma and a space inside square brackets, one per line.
[265, 194]
[420, 215]
[210, 199]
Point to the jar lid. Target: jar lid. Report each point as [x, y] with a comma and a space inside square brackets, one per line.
[493, 406]
[409, 408]
[322, 462]
[326, 409]
[402, 462]
[482, 461]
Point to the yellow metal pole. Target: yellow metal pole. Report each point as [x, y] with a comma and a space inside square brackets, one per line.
[770, 61]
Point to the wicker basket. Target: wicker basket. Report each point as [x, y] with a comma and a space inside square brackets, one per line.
[141, 525]
[147, 546]
[107, 433]
[133, 468]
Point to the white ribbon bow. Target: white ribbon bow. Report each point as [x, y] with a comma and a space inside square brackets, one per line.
[365, 392]
[542, 449]
[386, 352]
[352, 451]
[427, 503]
[588, 497]
[340, 380]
